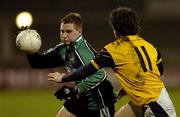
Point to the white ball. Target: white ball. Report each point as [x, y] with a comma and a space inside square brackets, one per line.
[28, 41]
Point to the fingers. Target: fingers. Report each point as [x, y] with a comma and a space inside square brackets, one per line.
[56, 76]
[51, 79]
[51, 76]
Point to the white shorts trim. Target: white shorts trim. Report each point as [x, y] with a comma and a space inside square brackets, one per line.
[165, 102]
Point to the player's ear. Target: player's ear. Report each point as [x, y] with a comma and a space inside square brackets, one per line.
[80, 30]
[115, 34]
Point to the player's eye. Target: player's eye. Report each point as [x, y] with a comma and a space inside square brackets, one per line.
[62, 31]
[68, 31]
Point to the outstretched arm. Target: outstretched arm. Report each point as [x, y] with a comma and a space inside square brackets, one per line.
[80, 73]
[103, 59]
[48, 59]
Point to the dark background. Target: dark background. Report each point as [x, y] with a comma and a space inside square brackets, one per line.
[160, 21]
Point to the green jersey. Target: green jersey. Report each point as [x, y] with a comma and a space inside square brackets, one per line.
[95, 88]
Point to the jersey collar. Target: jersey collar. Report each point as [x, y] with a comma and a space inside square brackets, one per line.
[77, 40]
[133, 37]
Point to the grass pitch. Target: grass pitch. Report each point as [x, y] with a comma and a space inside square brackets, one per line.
[42, 103]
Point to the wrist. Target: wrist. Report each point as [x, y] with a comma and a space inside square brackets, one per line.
[62, 77]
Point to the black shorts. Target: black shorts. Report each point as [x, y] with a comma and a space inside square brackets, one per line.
[76, 106]
[79, 108]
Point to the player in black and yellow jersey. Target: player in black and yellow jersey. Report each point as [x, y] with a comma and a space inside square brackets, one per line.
[137, 65]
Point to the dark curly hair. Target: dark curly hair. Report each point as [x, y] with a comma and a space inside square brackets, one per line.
[124, 21]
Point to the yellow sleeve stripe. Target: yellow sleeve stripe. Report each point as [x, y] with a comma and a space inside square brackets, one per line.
[160, 60]
[94, 64]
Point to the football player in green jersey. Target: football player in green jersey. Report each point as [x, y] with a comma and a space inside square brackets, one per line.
[137, 65]
[90, 97]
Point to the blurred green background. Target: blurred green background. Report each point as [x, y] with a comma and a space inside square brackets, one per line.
[42, 103]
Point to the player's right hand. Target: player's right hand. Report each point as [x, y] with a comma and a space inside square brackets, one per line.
[22, 28]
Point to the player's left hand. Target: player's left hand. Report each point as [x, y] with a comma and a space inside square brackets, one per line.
[62, 93]
[56, 77]
[65, 93]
